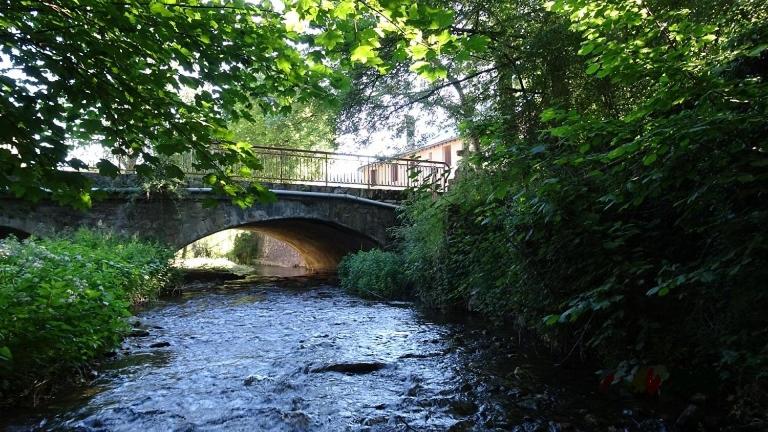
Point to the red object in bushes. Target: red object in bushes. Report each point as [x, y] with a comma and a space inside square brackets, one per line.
[652, 382]
[606, 382]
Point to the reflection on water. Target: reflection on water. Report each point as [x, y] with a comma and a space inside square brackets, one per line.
[265, 270]
[304, 356]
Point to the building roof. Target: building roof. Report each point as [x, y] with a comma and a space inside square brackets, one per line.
[428, 146]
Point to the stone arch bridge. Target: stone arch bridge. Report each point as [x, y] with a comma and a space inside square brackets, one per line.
[322, 223]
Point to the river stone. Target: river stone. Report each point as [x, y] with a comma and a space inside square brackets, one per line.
[462, 426]
[349, 368]
[699, 399]
[689, 418]
[376, 420]
[420, 356]
[252, 379]
[463, 407]
[160, 345]
[138, 333]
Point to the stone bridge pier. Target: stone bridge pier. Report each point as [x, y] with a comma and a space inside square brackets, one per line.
[322, 225]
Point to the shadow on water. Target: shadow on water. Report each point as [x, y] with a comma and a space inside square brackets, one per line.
[296, 353]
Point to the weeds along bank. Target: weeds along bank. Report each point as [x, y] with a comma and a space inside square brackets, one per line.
[65, 301]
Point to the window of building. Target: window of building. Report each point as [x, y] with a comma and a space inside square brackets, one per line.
[447, 154]
[372, 177]
[395, 170]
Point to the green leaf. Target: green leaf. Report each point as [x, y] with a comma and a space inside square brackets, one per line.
[439, 18]
[758, 50]
[592, 68]
[173, 171]
[617, 152]
[5, 353]
[549, 114]
[284, 64]
[561, 131]
[418, 51]
[159, 8]
[107, 168]
[586, 49]
[649, 159]
[363, 54]
[344, 8]
[144, 170]
[330, 38]
[477, 43]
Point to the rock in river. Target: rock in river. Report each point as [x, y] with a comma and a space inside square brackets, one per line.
[350, 368]
[138, 333]
[160, 345]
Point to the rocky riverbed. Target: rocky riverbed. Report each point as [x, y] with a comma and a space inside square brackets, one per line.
[298, 354]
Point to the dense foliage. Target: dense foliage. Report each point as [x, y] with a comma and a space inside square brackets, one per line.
[64, 301]
[308, 126]
[152, 79]
[621, 210]
[374, 274]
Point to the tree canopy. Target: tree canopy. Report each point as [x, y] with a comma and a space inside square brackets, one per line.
[113, 71]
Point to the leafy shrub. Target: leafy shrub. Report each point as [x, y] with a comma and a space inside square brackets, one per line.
[64, 301]
[246, 248]
[373, 274]
[639, 235]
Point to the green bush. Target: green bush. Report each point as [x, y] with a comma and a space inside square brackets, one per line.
[373, 274]
[64, 301]
[246, 248]
[635, 234]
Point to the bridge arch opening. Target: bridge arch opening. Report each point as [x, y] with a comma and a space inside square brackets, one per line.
[317, 245]
[6, 231]
[321, 244]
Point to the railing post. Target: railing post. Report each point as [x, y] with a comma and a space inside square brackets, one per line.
[326, 169]
[282, 162]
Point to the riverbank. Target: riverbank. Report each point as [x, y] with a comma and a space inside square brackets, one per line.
[65, 302]
[689, 394]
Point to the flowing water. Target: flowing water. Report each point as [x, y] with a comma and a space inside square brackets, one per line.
[300, 355]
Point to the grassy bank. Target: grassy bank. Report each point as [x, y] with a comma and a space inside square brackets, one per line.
[64, 302]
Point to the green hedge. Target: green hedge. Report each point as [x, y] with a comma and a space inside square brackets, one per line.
[373, 274]
[64, 301]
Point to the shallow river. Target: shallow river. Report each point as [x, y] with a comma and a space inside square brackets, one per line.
[298, 355]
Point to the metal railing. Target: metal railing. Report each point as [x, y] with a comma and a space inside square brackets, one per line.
[315, 167]
[282, 165]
